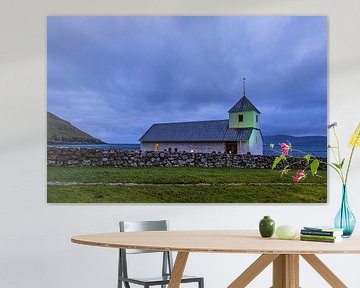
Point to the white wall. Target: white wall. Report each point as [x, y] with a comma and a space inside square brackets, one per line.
[256, 140]
[200, 147]
[35, 248]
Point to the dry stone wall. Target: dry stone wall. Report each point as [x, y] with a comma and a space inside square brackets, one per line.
[122, 158]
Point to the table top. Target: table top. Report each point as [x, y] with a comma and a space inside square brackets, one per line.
[216, 241]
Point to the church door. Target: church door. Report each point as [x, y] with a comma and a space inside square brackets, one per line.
[231, 147]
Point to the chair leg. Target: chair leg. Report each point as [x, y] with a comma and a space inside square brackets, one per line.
[201, 283]
[119, 270]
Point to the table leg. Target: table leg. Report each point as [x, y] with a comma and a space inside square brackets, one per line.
[253, 270]
[178, 270]
[324, 271]
[286, 271]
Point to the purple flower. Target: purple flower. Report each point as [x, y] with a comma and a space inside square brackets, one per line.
[332, 125]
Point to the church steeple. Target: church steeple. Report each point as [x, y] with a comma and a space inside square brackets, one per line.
[244, 114]
[243, 104]
[244, 85]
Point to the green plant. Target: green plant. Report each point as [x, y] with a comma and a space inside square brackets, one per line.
[313, 163]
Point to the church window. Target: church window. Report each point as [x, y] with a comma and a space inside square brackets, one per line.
[157, 147]
[241, 118]
[257, 118]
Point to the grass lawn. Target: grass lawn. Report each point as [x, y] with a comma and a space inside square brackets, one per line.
[166, 185]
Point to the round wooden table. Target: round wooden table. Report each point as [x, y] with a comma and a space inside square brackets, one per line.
[284, 254]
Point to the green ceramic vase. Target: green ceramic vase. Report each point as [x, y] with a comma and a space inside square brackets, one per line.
[267, 227]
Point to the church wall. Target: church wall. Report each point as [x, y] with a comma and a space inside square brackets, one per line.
[243, 147]
[256, 143]
[198, 147]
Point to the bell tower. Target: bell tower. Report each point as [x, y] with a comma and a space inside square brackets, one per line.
[244, 114]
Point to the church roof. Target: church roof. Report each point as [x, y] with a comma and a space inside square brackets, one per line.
[243, 104]
[198, 131]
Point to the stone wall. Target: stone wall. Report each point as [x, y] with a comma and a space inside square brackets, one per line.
[122, 158]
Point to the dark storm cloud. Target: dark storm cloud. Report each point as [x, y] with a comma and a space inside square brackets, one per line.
[115, 76]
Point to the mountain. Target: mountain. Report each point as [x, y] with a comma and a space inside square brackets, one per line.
[60, 131]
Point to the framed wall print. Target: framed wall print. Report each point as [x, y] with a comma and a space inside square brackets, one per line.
[178, 109]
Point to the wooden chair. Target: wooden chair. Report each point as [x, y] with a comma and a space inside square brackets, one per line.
[167, 263]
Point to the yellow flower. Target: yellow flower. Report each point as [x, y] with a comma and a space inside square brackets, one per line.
[355, 138]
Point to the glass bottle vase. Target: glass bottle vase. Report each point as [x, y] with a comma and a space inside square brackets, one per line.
[345, 219]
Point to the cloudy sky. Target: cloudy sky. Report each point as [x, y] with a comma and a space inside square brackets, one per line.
[113, 77]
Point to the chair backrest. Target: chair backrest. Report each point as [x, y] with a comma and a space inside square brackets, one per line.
[135, 226]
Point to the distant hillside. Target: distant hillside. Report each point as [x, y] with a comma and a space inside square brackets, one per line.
[314, 145]
[304, 140]
[60, 131]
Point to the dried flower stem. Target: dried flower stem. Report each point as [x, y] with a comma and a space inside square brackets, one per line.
[351, 156]
[338, 160]
[348, 167]
[338, 145]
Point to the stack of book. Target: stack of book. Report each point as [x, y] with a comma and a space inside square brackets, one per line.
[321, 234]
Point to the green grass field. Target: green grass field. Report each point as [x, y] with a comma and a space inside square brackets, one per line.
[180, 185]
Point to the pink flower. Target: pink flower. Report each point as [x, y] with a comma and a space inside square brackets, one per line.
[299, 175]
[284, 148]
